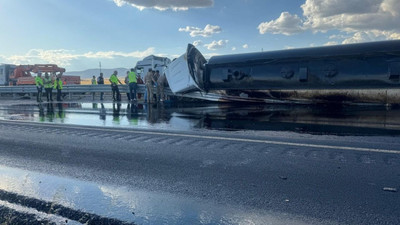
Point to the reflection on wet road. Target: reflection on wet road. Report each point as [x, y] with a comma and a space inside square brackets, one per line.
[105, 203]
[342, 120]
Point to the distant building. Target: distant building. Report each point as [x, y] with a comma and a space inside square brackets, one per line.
[5, 72]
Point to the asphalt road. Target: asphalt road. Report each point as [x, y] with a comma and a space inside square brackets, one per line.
[275, 177]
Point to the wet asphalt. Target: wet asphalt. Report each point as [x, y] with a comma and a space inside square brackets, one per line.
[164, 175]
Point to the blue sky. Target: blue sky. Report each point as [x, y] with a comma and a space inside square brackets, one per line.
[78, 34]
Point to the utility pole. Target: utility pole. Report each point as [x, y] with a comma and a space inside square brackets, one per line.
[100, 66]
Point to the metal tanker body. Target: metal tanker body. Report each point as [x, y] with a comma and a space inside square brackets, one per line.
[354, 73]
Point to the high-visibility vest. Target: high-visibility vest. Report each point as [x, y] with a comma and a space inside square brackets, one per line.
[94, 81]
[38, 81]
[114, 79]
[58, 84]
[47, 82]
[132, 77]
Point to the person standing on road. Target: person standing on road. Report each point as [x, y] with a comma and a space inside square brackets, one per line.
[94, 82]
[156, 75]
[160, 87]
[39, 86]
[48, 86]
[100, 80]
[148, 80]
[114, 86]
[58, 85]
[132, 84]
[128, 95]
[139, 81]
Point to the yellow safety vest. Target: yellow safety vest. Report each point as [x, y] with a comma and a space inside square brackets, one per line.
[114, 79]
[38, 81]
[48, 83]
[58, 85]
[132, 77]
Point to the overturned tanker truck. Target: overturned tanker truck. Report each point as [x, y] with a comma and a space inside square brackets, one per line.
[346, 74]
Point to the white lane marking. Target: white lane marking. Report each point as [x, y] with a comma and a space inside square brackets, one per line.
[40, 215]
[376, 150]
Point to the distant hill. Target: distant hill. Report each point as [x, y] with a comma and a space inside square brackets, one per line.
[89, 73]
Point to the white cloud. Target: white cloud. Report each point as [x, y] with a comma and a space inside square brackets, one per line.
[209, 55]
[327, 8]
[361, 20]
[286, 24]
[245, 46]
[353, 16]
[331, 43]
[175, 5]
[197, 43]
[63, 57]
[35, 56]
[216, 45]
[233, 48]
[206, 32]
[112, 54]
[338, 36]
[372, 35]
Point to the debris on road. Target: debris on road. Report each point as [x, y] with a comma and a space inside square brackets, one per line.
[283, 177]
[390, 189]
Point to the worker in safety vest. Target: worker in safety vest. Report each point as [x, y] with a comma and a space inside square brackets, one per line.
[48, 86]
[39, 86]
[114, 86]
[132, 84]
[58, 85]
[94, 82]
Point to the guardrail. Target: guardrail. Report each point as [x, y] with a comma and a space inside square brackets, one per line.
[80, 89]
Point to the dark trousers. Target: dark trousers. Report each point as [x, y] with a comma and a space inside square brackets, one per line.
[59, 95]
[115, 92]
[101, 95]
[132, 90]
[49, 94]
[39, 94]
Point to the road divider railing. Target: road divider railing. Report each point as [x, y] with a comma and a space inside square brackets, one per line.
[76, 89]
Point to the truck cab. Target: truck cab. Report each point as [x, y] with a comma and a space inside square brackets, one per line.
[151, 62]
